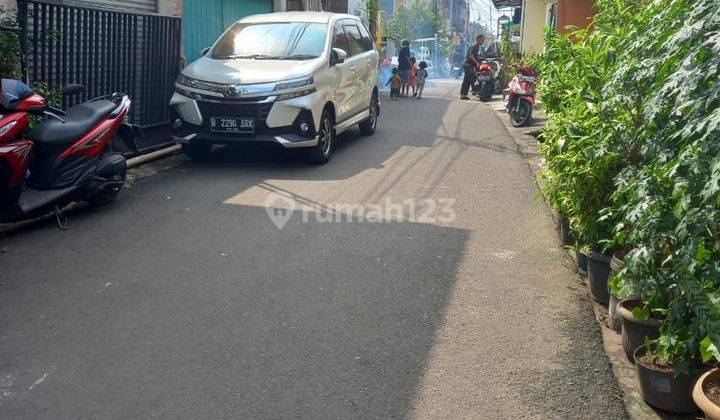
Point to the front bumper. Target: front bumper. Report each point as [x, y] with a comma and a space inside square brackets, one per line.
[275, 122]
[288, 140]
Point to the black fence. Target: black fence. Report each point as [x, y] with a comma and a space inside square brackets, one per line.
[104, 50]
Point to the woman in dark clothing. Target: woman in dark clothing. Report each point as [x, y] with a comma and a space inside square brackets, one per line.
[471, 62]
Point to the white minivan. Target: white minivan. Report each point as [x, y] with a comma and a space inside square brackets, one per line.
[296, 79]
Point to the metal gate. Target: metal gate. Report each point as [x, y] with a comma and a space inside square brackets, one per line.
[104, 50]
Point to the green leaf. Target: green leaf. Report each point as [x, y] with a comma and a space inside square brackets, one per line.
[708, 350]
[641, 313]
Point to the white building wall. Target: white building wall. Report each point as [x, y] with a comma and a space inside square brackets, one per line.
[534, 18]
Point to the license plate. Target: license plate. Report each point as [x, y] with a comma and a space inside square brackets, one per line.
[232, 125]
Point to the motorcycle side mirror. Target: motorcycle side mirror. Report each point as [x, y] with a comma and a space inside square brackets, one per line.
[72, 89]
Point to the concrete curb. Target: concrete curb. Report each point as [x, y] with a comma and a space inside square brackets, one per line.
[622, 369]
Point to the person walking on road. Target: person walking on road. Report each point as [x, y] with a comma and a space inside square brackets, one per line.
[404, 66]
[412, 76]
[395, 82]
[422, 75]
[471, 62]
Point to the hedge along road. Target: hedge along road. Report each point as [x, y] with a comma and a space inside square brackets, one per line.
[183, 299]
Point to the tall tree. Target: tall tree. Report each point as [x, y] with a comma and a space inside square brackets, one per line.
[418, 20]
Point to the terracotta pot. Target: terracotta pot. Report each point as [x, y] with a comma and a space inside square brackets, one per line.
[634, 331]
[708, 407]
[664, 390]
[598, 274]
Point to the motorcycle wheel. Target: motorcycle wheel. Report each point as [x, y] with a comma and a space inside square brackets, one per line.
[522, 116]
[486, 92]
[98, 197]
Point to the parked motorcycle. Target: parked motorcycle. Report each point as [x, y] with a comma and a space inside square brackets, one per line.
[520, 97]
[66, 157]
[487, 79]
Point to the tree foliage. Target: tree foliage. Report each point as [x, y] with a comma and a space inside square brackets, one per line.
[9, 47]
[420, 19]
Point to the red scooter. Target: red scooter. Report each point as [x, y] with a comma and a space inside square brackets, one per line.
[66, 157]
[486, 79]
[520, 97]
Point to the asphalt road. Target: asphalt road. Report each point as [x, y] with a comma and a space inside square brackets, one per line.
[184, 300]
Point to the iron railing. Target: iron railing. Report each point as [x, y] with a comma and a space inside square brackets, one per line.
[104, 50]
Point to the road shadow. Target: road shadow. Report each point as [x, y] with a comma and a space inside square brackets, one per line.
[224, 316]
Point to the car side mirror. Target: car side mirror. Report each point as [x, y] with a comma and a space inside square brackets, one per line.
[337, 56]
[205, 51]
[72, 89]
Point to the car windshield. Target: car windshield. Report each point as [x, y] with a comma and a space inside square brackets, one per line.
[272, 41]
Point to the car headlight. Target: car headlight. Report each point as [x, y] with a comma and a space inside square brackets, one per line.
[294, 84]
[185, 81]
[219, 89]
[296, 94]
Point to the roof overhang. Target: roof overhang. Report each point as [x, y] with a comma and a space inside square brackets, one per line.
[506, 3]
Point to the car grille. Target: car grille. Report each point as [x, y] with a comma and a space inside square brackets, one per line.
[258, 110]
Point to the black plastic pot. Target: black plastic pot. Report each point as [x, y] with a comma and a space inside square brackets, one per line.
[664, 390]
[634, 331]
[565, 231]
[582, 260]
[598, 268]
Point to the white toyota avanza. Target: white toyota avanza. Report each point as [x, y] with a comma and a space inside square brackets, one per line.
[296, 79]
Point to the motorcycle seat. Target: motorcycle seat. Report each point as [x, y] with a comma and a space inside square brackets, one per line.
[78, 121]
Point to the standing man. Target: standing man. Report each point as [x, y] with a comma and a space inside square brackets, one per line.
[404, 66]
[471, 62]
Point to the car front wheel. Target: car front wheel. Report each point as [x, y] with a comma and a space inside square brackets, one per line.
[320, 154]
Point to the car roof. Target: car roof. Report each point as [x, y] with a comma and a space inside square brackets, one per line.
[314, 17]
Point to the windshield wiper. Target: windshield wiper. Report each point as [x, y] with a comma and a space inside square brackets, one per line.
[299, 57]
[248, 56]
[269, 57]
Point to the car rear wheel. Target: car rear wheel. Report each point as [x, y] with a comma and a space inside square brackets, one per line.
[367, 127]
[197, 151]
[320, 154]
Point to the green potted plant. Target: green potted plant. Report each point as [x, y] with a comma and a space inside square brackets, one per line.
[639, 322]
[666, 375]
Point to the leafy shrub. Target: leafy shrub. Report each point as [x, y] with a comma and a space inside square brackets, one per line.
[9, 47]
[632, 156]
